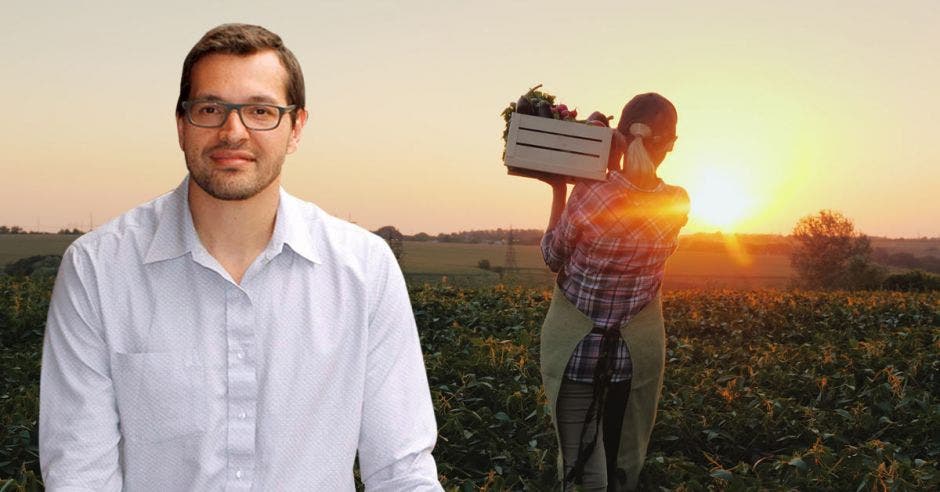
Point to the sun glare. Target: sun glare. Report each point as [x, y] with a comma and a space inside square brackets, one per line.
[719, 199]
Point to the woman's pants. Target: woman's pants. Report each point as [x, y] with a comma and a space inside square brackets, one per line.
[573, 402]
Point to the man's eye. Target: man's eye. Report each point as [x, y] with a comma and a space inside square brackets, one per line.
[261, 111]
[207, 109]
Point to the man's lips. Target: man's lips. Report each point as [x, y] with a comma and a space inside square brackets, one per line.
[231, 156]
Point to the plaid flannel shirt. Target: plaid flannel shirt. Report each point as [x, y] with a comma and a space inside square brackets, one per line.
[610, 246]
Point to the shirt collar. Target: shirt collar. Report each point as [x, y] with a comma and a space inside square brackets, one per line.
[176, 235]
[293, 228]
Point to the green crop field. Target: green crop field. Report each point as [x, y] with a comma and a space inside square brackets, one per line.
[764, 390]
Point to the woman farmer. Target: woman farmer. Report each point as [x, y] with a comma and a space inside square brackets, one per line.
[603, 341]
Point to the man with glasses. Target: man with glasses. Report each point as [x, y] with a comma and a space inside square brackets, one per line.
[228, 335]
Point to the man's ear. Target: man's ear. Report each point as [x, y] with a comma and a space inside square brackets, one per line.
[179, 130]
[296, 130]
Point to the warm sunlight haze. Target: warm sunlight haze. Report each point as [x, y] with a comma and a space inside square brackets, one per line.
[720, 199]
[784, 108]
[778, 330]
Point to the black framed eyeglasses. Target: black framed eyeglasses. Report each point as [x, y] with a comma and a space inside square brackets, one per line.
[213, 114]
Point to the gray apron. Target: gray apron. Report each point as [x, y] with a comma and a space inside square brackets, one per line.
[644, 334]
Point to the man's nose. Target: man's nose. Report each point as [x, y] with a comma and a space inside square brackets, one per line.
[232, 129]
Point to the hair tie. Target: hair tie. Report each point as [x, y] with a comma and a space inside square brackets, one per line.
[640, 130]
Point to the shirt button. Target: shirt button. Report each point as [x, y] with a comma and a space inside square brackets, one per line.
[238, 474]
[242, 415]
[240, 355]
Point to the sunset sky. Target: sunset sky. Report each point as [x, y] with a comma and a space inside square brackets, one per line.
[785, 108]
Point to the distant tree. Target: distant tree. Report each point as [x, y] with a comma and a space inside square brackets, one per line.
[4, 229]
[74, 231]
[17, 230]
[394, 238]
[862, 273]
[421, 236]
[830, 254]
[483, 264]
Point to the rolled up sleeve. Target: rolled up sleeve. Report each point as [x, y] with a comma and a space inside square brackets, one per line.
[78, 421]
[398, 429]
[558, 243]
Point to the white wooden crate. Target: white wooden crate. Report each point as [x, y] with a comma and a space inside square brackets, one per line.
[557, 147]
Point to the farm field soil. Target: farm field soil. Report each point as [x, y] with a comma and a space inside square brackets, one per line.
[916, 247]
[429, 262]
[16, 246]
[685, 269]
[459, 258]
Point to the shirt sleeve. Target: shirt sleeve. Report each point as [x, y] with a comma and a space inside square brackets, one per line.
[558, 243]
[398, 429]
[78, 421]
[678, 214]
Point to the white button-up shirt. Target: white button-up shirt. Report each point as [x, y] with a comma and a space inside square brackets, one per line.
[159, 372]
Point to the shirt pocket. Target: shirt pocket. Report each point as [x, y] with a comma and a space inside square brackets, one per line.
[160, 395]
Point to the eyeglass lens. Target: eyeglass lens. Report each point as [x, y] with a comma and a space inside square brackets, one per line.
[254, 116]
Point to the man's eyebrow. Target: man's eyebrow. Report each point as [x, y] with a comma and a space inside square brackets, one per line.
[208, 97]
[253, 99]
[263, 99]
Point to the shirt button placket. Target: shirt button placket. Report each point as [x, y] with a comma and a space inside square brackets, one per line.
[242, 394]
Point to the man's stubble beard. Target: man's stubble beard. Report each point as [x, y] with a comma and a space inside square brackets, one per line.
[219, 186]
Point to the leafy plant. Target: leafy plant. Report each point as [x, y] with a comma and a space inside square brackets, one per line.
[764, 390]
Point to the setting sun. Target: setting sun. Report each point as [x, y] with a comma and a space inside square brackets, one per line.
[719, 199]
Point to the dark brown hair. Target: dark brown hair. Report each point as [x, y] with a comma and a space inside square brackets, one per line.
[655, 111]
[243, 40]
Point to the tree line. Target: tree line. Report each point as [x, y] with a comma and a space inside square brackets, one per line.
[519, 236]
[4, 229]
[904, 259]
